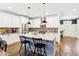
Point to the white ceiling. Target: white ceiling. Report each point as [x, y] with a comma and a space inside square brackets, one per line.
[67, 10]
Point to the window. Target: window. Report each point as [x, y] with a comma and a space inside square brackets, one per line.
[61, 22]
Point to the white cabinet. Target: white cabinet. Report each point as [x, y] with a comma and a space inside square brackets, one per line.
[35, 23]
[14, 21]
[23, 25]
[52, 22]
[10, 38]
[4, 20]
[8, 20]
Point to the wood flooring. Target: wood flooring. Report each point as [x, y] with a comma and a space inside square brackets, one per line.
[13, 49]
[71, 41]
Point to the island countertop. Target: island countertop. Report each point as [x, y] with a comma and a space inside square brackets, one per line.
[49, 36]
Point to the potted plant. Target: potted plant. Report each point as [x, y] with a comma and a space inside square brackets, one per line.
[61, 32]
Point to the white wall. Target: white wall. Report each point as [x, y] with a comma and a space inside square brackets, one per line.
[69, 29]
[78, 29]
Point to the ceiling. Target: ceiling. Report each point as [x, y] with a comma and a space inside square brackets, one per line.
[65, 10]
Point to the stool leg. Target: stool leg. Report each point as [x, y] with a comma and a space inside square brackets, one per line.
[5, 47]
[25, 49]
[40, 50]
[30, 47]
[37, 51]
[20, 48]
[45, 52]
[34, 51]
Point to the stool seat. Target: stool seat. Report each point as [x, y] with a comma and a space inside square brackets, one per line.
[26, 41]
[39, 45]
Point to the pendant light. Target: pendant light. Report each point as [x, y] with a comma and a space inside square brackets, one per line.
[28, 22]
[44, 18]
[28, 14]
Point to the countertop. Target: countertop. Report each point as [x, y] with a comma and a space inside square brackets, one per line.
[48, 36]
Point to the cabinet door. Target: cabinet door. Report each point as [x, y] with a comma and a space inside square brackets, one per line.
[8, 20]
[35, 23]
[14, 21]
[4, 20]
[52, 22]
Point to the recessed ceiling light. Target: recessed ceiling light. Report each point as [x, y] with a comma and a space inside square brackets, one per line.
[46, 13]
[10, 7]
[74, 10]
[24, 13]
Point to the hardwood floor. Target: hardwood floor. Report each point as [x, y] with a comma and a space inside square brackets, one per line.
[13, 49]
[70, 41]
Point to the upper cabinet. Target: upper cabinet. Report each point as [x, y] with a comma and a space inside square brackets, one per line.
[52, 22]
[8, 20]
[4, 20]
[35, 23]
[15, 21]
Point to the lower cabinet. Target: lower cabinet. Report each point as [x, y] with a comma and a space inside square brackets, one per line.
[10, 38]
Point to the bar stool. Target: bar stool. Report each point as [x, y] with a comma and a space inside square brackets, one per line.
[24, 41]
[40, 47]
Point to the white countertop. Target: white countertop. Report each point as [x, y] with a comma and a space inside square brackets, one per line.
[49, 36]
[10, 38]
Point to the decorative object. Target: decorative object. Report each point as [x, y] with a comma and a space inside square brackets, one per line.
[61, 33]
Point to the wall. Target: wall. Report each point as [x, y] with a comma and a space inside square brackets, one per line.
[69, 29]
[78, 28]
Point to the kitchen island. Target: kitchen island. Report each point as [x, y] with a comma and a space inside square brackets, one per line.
[49, 39]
